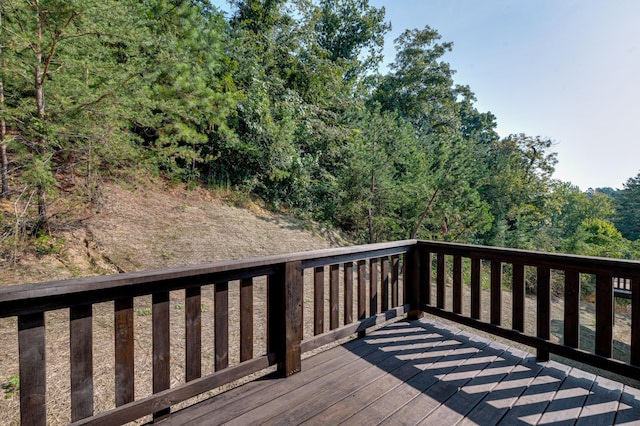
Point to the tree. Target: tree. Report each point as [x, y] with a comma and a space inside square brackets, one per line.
[627, 204]
[520, 170]
[347, 28]
[71, 62]
[190, 92]
[4, 162]
[447, 129]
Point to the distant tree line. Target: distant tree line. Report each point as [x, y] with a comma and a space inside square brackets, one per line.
[284, 100]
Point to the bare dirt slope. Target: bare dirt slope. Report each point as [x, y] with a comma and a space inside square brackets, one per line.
[149, 228]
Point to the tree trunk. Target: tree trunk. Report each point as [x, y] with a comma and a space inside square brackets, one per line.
[424, 214]
[4, 162]
[3, 149]
[41, 142]
[370, 211]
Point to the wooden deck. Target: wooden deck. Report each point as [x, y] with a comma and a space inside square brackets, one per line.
[422, 372]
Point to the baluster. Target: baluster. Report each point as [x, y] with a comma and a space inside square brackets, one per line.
[544, 309]
[348, 293]
[362, 292]
[518, 288]
[426, 261]
[604, 314]
[457, 284]
[334, 289]
[395, 277]
[33, 376]
[635, 320]
[496, 292]
[246, 319]
[572, 308]
[81, 342]
[384, 282]
[476, 280]
[193, 331]
[373, 286]
[441, 276]
[124, 359]
[318, 300]
[161, 347]
[221, 302]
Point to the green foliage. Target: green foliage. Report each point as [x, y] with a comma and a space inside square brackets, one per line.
[48, 244]
[627, 205]
[282, 101]
[11, 387]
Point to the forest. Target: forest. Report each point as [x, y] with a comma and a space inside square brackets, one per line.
[283, 100]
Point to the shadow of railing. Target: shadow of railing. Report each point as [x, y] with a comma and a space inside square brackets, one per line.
[455, 376]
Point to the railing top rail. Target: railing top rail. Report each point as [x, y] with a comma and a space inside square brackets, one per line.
[37, 297]
[585, 264]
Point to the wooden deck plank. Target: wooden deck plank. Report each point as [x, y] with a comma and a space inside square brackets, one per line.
[629, 408]
[431, 348]
[503, 396]
[304, 402]
[234, 403]
[421, 372]
[262, 391]
[469, 395]
[602, 404]
[532, 404]
[443, 378]
[568, 401]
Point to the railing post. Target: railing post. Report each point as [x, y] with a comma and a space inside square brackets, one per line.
[412, 282]
[284, 317]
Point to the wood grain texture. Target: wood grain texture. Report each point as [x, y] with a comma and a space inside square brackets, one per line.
[543, 304]
[221, 303]
[193, 333]
[124, 351]
[496, 292]
[635, 320]
[348, 293]
[318, 300]
[518, 288]
[604, 315]
[384, 283]
[572, 309]
[293, 317]
[457, 284]
[441, 277]
[476, 280]
[81, 345]
[246, 319]
[334, 295]
[395, 280]
[426, 275]
[33, 376]
[161, 347]
[373, 287]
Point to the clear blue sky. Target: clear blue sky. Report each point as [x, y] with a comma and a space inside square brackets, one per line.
[568, 70]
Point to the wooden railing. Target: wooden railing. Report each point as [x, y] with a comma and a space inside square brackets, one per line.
[374, 283]
[377, 298]
[568, 268]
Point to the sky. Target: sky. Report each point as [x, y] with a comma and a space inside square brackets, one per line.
[567, 70]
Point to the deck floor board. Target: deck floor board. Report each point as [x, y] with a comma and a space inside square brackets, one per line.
[421, 372]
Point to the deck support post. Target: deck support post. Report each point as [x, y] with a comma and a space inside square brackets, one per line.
[412, 280]
[285, 317]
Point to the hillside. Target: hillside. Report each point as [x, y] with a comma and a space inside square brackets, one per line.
[163, 226]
